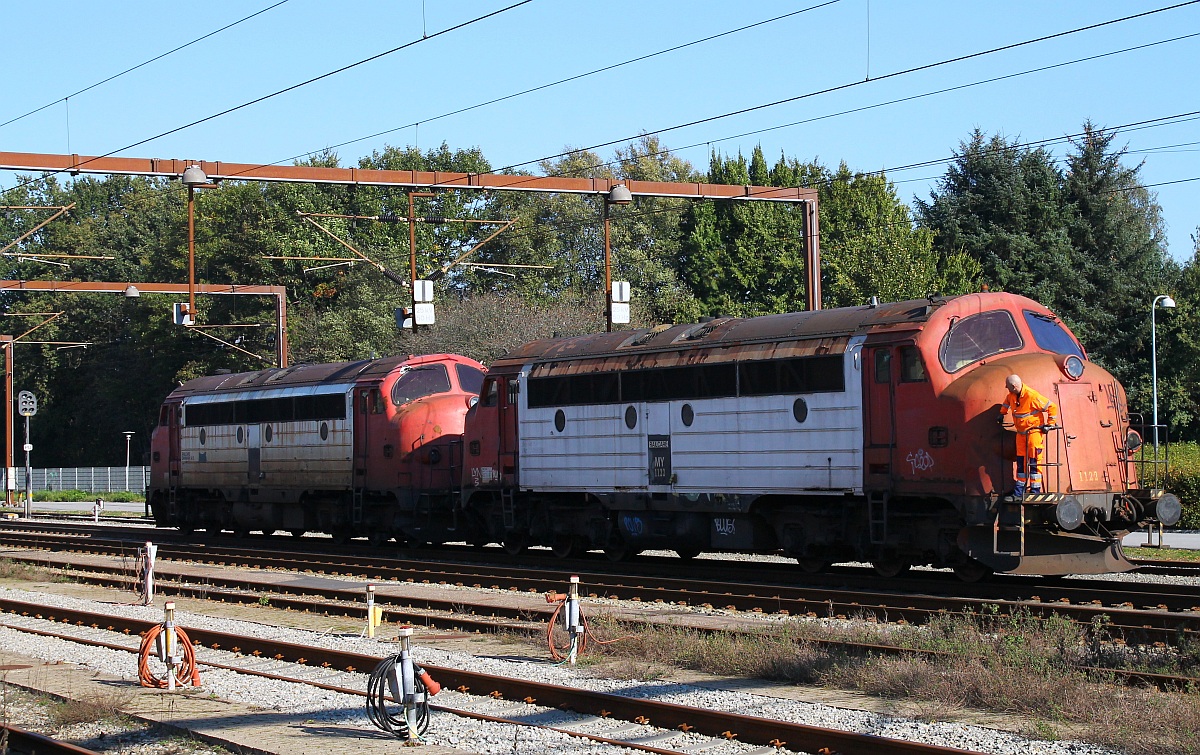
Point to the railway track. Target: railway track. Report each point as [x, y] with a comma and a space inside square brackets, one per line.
[1153, 613]
[648, 725]
[464, 612]
[20, 742]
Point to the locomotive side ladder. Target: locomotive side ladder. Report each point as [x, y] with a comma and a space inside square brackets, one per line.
[877, 515]
[1004, 523]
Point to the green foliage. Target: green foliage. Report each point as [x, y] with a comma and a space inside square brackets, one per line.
[1183, 479]
[748, 258]
[1085, 240]
[80, 496]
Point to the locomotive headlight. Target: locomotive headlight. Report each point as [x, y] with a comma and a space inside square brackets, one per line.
[1073, 367]
[1133, 441]
[1069, 513]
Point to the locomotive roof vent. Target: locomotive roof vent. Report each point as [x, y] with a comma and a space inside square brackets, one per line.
[644, 338]
[874, 302]
[701, 330]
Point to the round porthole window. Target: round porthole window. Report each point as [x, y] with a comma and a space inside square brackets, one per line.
[560, 420]
[267, 433]
[631, 418]
[324, 431]
[203, 436]
[687, 415]
[800, 410]
[240, 435]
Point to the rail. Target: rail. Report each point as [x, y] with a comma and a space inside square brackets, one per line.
[16, 740]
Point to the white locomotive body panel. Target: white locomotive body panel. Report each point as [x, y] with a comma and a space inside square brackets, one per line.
[747, 445]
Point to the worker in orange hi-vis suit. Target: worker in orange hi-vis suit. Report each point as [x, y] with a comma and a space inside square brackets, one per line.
[1032, 414]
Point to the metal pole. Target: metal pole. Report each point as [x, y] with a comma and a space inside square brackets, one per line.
[192, 253]
[607, 273]
[10, 484]
[28, 475]
[128, 437]
[1154, 371]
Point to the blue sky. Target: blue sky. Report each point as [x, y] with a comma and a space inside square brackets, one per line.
[56, 49]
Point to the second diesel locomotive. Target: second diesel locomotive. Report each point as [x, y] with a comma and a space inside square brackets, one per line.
[351, 448]
[864, 433]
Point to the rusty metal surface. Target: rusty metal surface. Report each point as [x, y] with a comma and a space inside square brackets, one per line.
[20, 741]
[793, 334]
[101, 287]
[217, 170]
[308, 374]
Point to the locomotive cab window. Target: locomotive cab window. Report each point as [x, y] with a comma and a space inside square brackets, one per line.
[973, 338]
[1050, 335]
[883, 366]
[912, 369]
[470, 379]
[419, 382]
[491, 393]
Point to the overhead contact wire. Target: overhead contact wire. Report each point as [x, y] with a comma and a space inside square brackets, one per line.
[143, 63]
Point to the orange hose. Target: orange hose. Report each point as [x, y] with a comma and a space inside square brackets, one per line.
[185, 673]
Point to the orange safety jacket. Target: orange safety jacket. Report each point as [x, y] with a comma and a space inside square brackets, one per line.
[1030, 410]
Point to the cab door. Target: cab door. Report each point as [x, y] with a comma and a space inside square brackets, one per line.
[879, 427]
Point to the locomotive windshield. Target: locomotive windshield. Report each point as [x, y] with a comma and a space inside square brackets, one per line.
[470, 380]
[418, 382]
[1051, 336]
[973, 338]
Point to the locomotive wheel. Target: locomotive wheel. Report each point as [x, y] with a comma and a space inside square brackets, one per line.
[297, 533]
[378, 538]
[891, 567]
[812, 565]
[620, 552]
[241, 533]
[972, 571]
[565, 546]
[341, 538]
[687, 554]
[515, 544]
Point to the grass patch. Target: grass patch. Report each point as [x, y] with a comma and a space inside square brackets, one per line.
[1011, 665]
[10, 569]
[91, 708]
[1164, 554]
[81, 496]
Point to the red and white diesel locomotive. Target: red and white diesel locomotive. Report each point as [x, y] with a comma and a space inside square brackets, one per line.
[340, 448]
[863, 433]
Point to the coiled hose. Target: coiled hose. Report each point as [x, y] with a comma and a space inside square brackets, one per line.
[580, 641]
[395, 723]
[185, 673]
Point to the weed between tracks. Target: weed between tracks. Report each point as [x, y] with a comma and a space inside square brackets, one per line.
[10, 569]
[1019, 665]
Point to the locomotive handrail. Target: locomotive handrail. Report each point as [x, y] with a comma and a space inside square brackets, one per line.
[1048, 464]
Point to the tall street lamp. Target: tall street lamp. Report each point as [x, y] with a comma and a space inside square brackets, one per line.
[128, 435]
[1167, 303]
[619, 194]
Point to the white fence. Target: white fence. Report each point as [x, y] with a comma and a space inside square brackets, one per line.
[91, 479]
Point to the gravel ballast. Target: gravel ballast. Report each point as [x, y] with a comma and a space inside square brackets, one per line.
[334, 709]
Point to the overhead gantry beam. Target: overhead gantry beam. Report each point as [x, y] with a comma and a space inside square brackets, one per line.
[139, 288]
[218, 171]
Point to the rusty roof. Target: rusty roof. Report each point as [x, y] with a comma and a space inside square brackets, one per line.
[824, 331]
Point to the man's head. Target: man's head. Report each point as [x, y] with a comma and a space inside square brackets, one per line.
[1013, 384]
